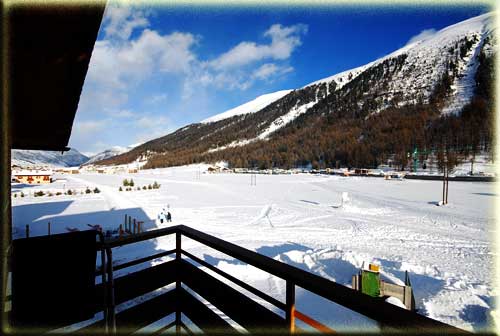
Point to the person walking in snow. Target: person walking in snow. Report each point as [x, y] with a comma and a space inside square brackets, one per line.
[169, 217]
[162, 217]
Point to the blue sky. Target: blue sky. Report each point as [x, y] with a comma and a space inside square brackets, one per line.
[155, 69]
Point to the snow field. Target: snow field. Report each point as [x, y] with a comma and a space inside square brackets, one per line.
[296, 219]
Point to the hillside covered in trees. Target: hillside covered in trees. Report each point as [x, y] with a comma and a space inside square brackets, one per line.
[436, 96]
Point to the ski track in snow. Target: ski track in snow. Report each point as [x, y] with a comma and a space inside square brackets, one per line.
[446, 250]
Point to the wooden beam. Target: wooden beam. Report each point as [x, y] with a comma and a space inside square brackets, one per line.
[237, 281]
[5, 175]
[239, 307]
[206, 319]
[290, 306]
[385, 313]
[313, 323]
[135, 284]
[388, 315]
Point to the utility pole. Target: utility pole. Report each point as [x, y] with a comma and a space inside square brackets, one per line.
[415, 159]
[447, 182]
[444, 183]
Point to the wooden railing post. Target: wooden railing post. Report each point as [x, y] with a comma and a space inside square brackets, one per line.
[290, 306]
[178, 281]
[104, 281]
[111, 292]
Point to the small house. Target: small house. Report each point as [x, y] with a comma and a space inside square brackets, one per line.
[213, 169]
[361, 171]
[33, 176]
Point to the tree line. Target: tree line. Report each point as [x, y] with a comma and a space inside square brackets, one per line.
[341, 129]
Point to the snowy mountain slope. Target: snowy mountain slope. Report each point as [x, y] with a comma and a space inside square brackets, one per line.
[252, 106]
[109, 153]
[454, 49]
[425, 63]
[428, 78]
[25, 158]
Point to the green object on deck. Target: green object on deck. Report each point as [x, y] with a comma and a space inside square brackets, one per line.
[370, 283]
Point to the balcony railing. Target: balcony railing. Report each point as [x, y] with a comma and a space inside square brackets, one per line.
[192, 282]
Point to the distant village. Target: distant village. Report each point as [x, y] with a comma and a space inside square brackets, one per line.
[44, 174]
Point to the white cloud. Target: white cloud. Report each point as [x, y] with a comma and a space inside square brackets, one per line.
[234, 79]
[87, 133]
[268, 70]
[120, 21]
[121, 113]
[99, 146]
[118, 66]
[424, 34]
[100, 98]
[120, 63]
[158, 98]
[151, 121]
[236, 69]
[89, 127]
[151, 127]
[132, 55]
[283, 42]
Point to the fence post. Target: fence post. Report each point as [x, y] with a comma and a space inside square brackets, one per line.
[48, 227]
[407, 297]
[111, 292]
[178, 257]
[27, 231]
[125, 223]
[447, 183]
[135, 227]
[129, 224]
[290, 306]
[444, 183]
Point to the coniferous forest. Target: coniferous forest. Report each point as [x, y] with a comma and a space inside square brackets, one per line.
[355, 126]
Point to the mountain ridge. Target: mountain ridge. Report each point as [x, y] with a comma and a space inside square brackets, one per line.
[28, 158]
[421, 81]
[109, 153]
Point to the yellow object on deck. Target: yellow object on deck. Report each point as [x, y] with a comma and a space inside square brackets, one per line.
[374, 268]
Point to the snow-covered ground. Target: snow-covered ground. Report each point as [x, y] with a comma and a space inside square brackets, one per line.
[297, 219]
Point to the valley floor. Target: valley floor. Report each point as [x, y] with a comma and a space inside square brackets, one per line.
[395, 223]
